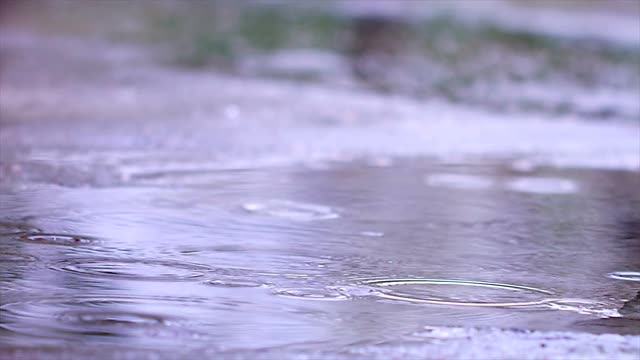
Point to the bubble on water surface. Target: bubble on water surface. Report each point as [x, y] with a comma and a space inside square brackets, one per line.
[546, 185]
[291, 210]
[132, 269]
[625, 275]
[57, 239]
[459, 181]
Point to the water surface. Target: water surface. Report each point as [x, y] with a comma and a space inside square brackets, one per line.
[298, 256]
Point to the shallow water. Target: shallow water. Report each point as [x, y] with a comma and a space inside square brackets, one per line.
[305, 256]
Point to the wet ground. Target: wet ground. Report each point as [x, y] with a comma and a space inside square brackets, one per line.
[317, 257]
[156, 212]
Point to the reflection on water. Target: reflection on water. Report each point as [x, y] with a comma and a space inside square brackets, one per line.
[144, 265]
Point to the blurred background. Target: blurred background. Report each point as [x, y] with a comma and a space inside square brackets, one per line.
[575, 57]
[220, 177]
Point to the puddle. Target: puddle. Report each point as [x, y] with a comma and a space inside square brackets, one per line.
[132, 269]
[374, 253]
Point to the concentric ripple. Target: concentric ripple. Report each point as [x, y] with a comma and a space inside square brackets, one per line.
[132, 269]
[309, 293]
[107, 317]
[291, 210]
[435, 296]
[625, 275]
[58, 239]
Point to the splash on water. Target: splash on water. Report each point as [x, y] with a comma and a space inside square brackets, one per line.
[291, 210]
[547, 185]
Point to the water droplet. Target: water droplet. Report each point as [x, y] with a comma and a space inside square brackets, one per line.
[132, 269]
[58, 239]
[625, 275]
[459, 181]
[543, 185]
[291, 210]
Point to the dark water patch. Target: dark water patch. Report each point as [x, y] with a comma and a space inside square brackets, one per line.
[58, 239]
[133, 269]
